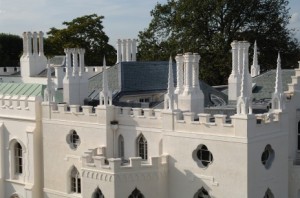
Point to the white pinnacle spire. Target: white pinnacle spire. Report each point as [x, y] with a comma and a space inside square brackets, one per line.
[278, 82]
[255, 68]
[49, 92]
[170, 79]
[244, 105]
[244, 86]
[104, 79]
[169, 96]
[255, 62]
[277, 98]
[105, 96]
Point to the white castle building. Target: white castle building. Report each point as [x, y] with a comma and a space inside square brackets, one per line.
[156, 131]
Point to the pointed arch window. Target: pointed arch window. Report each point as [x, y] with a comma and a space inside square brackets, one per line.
[269, 194]
[121, 146]
[136, 193]
[202, 193]
[18, 157]
[98, 194]
[142, 147]
[75, 181]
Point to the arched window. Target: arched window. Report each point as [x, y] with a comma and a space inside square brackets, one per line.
[202, 193]
[136, 194]
[98, 194]
[121, 146]
[269, 194]
[75, 181]
[299, 135]
[15, 196]
[18, 155]
[142, 149]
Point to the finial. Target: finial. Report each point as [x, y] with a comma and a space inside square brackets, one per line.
[170, 79]
[278, 82]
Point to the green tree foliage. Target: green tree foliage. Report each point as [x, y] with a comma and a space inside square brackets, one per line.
[11, 47]
[209, 26]
[82, 32]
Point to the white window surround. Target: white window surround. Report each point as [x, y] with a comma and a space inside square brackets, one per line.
[75, 184]
[202, 193]
[268, 194]
[15, 195]
[73, 139]
[142, 147]
[136, 193]
[98, 193]
[267, 156]
[202, 156]
[14, 174]
[18, 155]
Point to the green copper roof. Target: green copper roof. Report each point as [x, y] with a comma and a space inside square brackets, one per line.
[19, 89]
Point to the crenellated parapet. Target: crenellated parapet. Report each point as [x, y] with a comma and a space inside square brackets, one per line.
[70, 112]
[22, 107]
[145, 117]
[114, 169]
[6, 71]
[245, 126]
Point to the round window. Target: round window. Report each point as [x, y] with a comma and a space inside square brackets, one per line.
[203, 156]
[73, 139]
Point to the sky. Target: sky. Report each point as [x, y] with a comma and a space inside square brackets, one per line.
[123, 18]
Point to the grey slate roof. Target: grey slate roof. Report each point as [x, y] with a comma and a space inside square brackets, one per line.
[143, 77]
[265, 83]
[95, 82]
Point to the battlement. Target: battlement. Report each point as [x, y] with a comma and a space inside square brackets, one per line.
[70, 112]
[237, 125]
[117, 165]
[145, 117]
[23, 107]
[6, 71]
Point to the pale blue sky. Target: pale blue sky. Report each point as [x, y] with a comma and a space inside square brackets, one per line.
[123, 18]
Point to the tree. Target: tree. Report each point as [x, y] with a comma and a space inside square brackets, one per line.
[11, 47]
[82, 32]
[209, 26]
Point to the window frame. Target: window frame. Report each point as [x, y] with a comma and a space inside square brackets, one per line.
[75, 185]
[142, 147]
[136, 193]
[18, 159]
[267, 156]
[203, 156]
[268, 194]
[203, 191]
[98, 192]
[73, 139]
